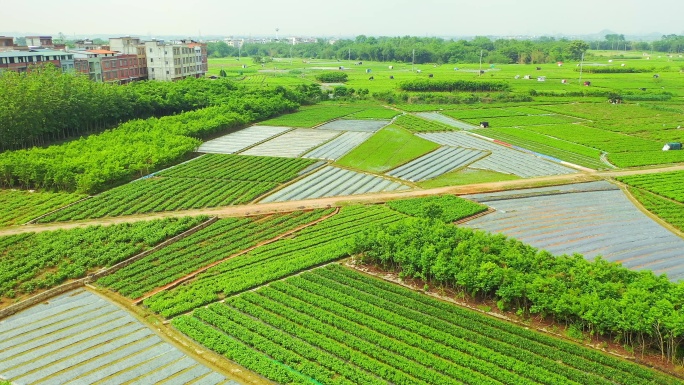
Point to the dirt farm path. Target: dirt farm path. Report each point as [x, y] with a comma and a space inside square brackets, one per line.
[276, 207]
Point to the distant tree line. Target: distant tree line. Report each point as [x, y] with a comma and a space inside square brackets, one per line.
[442, 51]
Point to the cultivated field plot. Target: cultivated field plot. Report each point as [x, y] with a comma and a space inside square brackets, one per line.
[311, 116]
[542, 144]
[219, 241]
[238, 141]
[339, 146]
[334, 325]
[525, 120]
[594, 219]
[355, 125]
[209, 181]
[79, 338]
[416, 124]
[436, 163]
[333, 181]
[667, 184]
[436, 116]
[493, 112]
[240, 168]
[46, 259]
[18, 207]
[324, 242]
[293, 143]
[502, 159]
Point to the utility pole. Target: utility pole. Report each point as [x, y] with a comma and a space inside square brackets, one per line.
[581, 63]
[480, 72]
[349, 57]
[413, 61]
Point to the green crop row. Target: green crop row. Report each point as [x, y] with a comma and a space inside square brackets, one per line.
[600, 139]
[447, 208]
[667, 184]
[416, 124]
[669, 211]
[44, 260]
[238, 351]
[524, 120]
[586, 362]
[163, 194]
[335, 326]
[481, 113]
[567, 151]
[374, 113]
[19, 207]
[218, 241]
[646, 158]
[324, 242]
[308, 117]
[240, 167]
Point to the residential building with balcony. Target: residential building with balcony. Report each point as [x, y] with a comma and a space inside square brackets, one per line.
[22, 61]
[6, 43]
[108, 66]
[170, 61]
[131, 46]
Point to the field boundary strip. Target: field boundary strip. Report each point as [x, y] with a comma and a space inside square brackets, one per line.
[50, 293]
[205, 268]
[34, 220]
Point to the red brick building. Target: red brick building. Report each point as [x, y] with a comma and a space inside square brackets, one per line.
[108, 66]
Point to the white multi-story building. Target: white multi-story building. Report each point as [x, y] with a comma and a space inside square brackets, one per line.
[169, 61]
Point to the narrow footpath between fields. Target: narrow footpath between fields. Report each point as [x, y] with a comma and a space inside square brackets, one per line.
[279, 207]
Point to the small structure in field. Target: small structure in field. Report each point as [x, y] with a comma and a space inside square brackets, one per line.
[541, 79]
[587, 84]
[564, 81]
[484, 124]
[672, 146]
[431, 75]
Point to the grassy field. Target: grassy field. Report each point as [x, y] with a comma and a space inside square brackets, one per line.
[464, 177]
[388, 148]
[649, 117]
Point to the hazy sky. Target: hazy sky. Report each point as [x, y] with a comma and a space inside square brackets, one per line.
[345, 17]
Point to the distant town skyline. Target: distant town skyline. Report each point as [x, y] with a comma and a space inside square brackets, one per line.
[350, 18]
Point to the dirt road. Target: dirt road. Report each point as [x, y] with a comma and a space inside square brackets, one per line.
[275, 207]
